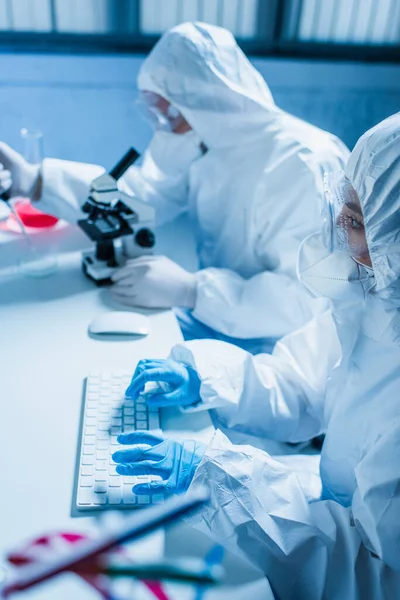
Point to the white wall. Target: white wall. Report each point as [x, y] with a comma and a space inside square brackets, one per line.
[85, 105]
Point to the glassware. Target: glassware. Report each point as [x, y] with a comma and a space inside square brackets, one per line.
[37, 262]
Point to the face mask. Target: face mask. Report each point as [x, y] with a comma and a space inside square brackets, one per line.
[334, 276]
[366, 267]
[174, 153]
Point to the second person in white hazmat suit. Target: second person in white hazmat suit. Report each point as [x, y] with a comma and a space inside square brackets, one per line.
[249, 175]
[340, 373]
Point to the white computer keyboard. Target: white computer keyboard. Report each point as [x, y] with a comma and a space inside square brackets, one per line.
[106, 414]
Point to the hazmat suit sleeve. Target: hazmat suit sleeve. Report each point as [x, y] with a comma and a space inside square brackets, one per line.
[161, 182]
[307, 550]
[65, 187]
[278, 396]
[272, 303]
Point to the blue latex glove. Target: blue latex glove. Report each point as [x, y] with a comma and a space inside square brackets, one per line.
[183, 382]
[149, 454]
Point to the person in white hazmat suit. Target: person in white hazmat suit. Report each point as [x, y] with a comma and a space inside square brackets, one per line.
[249, 175]
[340, 373]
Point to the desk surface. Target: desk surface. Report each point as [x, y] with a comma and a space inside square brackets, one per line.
[45, 354]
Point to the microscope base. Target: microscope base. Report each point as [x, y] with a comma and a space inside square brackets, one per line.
[98, 270]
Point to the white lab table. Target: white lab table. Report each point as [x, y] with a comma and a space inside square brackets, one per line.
[45, 354]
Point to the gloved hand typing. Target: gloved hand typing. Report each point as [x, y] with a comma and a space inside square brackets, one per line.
[183, 383]
[175, 462]
[17, 176]
[154, 282]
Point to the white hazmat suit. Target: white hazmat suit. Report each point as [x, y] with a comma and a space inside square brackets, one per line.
[252, 197]
[340, 374]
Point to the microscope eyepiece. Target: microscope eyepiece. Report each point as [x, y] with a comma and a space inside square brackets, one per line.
[123, 165]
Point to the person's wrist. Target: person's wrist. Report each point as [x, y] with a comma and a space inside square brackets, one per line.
[196, 451]
[198, 454]
[194, 385]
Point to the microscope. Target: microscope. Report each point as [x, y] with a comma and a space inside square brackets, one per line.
[121, 225]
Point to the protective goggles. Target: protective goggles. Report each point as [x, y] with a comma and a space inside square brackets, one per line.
[342, 218]
[159, 112]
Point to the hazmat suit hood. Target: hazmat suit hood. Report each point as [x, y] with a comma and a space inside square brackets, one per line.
[373, 170]
[200, 69]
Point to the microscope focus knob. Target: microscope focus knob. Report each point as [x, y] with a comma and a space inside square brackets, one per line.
[145, 238]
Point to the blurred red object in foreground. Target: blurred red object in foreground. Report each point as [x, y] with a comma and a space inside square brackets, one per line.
[45, 547]
[32, 217]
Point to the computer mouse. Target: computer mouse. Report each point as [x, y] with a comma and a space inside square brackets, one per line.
[120, 323]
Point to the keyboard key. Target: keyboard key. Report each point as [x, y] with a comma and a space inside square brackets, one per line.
[91, 405]
[87, 470]
[102, 435]
[102, 445]
[102, 454]
[85, 497]
[141, 425]
[128, 496]
[100, 499]
[88, 460]
[100, 487]
[129, 412]
[129, 429]
[89, 440]
[101, 465]
[113, 440]
[114, 496]
[129, 479]
[143, 499]
[91, 412]
[157, 498]
[112, 470]
[86, 482]
[129, 421]
[101, 476]
[116, 422]
[115, 482]
[116, 430]
[104, 418]
[88, 450]
[141, 415]
[90, 421]
[90, 430]
[103, 426]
